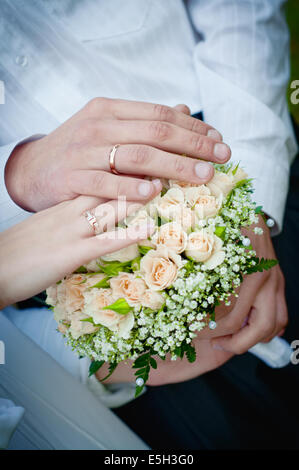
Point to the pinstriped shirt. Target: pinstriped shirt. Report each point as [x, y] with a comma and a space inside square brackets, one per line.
[228, 58]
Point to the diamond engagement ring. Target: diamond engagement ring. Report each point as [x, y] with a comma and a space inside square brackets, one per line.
[92, 220]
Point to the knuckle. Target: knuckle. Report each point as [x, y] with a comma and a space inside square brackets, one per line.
[159, 130]
[196, 125]
[163, 113]
[98, 104]
[140, 155]
[197, 143]
[179, 165]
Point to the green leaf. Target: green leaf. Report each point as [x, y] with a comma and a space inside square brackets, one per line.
[94, 367]
[141, 361]
[190, 352]
[234, 171]
[101, 284]
[153, 363]
[89, 320]
[120, 306]
[112, 268]
[261, 265]
[80, 270]
[144, 249]
[112, 367]
[220, 232]
[258, 209]
[243, 182]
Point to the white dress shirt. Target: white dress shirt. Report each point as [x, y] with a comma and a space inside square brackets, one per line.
[226, 57]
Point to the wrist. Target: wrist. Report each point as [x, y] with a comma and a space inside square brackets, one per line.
[19, 185]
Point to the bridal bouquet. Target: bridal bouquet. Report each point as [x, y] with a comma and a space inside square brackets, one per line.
[151, 299]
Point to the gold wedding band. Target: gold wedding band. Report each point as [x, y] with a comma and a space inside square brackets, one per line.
[92, 220]
[112, 160]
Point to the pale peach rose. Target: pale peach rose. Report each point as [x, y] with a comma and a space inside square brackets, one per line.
[70, 292]
[221, 183]
[185, 216]
[152, 299]
[141, 218]
[160, 268]
[96, 300]
[94, 279]
[62, 328]
[192, 195]
[203, 246]
[125, 254]
[78, 327]
[239, 175]
[93, 266]
[124, 326]
[129, 286]
[170, 203]
[207, 206]
[171, 235]
[52, 295]
[181, 184]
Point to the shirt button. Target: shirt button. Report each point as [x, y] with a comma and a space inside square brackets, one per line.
[22, 60]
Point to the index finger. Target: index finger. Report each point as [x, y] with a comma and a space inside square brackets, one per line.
[122, 109]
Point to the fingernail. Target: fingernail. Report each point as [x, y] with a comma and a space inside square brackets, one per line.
[157, 183]
[217, 347]
[213, 134]
[145, 189]
[222, 151]
[203, 170]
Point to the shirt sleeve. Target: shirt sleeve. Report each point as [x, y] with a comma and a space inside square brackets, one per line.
[10, 212]
[242, 63]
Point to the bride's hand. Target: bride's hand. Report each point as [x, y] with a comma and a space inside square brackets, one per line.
[52, 243]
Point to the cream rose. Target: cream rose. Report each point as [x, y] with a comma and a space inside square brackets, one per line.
[193, 194]
[125, 254]
[221, 183]
[95, 301]
[171, 203]
[205, 247]
[128, 286]
[181, 184]
[160, 268]
[93, 265]
[171, 235]
[70, 293]
[78, 327]
[152, 299]
[238, 176]
[52, 295]
[141, 218]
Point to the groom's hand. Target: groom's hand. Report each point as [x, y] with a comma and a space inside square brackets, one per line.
[74, 159]
[260, 312]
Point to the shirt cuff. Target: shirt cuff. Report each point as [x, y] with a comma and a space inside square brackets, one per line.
[10, 212]
[111, 395]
